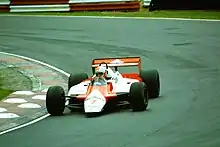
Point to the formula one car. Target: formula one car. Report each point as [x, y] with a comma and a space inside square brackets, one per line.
[95, 95]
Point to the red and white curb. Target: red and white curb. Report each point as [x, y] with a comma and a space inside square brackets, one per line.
[26, 102]
[31, 100]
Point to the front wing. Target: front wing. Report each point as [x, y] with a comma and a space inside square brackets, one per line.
[74, 102]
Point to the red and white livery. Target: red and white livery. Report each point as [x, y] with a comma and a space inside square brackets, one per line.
[99, 92]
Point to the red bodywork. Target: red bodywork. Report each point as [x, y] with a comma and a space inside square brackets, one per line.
[106, 90]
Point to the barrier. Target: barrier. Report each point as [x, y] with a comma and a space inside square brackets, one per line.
[40, 8]
[69, 5]
[38, 2]
[98, 1]
[146, 3]
[131, 6]
[104, 5]
[4, 6]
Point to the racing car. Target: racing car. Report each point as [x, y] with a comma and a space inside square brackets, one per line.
[94, 95]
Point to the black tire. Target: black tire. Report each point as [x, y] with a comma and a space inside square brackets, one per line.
[75, 79]
[55, 100]
[152, 79]
[138, 96]
[89, 115]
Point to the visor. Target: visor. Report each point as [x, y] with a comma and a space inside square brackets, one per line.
[98, 74]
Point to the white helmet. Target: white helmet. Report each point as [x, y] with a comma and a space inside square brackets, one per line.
[100, 71]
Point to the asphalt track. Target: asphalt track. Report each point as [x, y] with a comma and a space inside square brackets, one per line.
[186, 53]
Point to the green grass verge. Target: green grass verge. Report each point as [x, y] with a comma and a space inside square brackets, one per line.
[12, 80]
[4, 93]
[193, 14]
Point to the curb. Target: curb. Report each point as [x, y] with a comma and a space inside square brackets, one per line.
[21, 107]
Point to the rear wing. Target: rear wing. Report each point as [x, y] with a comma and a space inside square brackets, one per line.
[118, 62]
[121, 61]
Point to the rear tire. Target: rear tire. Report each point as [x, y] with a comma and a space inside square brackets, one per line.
[138, 96]
[55, 100]
[75, 79]
[152, 79]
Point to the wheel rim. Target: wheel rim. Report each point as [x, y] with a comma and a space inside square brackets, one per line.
[158, 82]
[63, 100]
[145, 95]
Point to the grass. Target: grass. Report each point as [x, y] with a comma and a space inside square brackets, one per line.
[12, 80]
[193, 14]
[4, 92]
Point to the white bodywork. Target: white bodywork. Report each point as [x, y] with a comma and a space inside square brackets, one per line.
[95, 101]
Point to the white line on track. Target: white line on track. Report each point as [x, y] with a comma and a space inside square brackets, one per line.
[24, 125]
[44, 64]
[113, 17]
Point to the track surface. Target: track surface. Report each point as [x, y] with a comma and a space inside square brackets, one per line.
[186, 54]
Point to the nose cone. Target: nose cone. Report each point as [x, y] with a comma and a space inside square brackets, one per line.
[94, 102]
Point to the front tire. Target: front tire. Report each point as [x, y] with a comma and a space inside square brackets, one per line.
[55, 100]
[138, 96]
[75, 79]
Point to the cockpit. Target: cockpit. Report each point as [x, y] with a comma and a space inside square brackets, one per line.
[99, 82]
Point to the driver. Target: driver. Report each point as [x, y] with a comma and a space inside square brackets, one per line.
[100, 72]
[104, 72]
[108, 73]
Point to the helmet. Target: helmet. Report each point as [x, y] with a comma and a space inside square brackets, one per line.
[100, 71]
